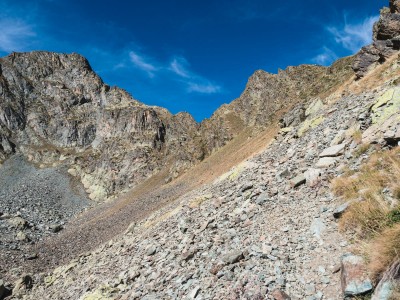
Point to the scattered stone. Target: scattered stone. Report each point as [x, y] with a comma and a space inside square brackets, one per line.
[22, 284]
[339, 211]
[280, 295]
[193, 294]
[262, 198]
[333, 151]
[232, 257]
[151, 250]
[55, 228]
[247, 186]
[17, 222]
[297, 181]
[317, 228]
[354, 277]
[326, 162]
[21, 236]
[312, 176]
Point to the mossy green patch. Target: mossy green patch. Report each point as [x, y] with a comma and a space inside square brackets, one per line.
[314, 107]
[386, 106]
[286, 130]
[309, 124]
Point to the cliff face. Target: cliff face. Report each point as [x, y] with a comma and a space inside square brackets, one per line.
[55, 109]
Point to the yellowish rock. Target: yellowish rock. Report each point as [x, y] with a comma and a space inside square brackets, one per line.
[309, 124]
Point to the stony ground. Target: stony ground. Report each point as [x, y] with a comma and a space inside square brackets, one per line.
[261, 227]
[34, 203]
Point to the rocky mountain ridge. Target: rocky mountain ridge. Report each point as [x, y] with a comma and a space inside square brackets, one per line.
[264, 230]
[56, 110]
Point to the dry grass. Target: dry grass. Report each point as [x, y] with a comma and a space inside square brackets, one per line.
[357, 136]
[374, 216]
[384, 250]
[362, 149]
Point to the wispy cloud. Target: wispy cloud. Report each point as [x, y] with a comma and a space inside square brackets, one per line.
[353, 36]
[345, 38]
[142, 63]
[178, 66]
[15, 35]
[194, 82]
[205, 88]
[326, 57]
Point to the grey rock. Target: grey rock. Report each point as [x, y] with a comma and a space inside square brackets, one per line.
[293, 117]
[247, 186]
[232, 257]
[151, 250]
[354, 276]
[338, 212]
[318, 228]
[193, 294]
[262, 198]
[312, 176]
[297, 181]
[326, 162]
[333, 151]
[279, 295]
[55, 228]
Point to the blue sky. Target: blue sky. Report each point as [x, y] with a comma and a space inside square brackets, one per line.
[189, 55]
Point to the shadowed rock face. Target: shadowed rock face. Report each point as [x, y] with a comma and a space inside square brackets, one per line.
[386, 40]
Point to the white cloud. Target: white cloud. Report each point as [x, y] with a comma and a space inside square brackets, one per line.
[178, 69]
[140, 62]
[194, 82]
[326, 57]
[15, 35]
[178, 66]
[353, 36]
[205, 88]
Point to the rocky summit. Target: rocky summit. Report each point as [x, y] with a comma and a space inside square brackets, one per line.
[104, 197]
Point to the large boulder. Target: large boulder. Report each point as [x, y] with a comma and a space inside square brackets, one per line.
[394, 6]
[354, 277]
[367, 57]
[293, 117]
[385, 40]
[387, 27]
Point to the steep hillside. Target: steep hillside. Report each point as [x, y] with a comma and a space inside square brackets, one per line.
[239, 206]
[267, 96]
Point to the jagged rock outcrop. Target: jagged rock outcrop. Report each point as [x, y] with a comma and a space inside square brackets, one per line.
[267, 96]
[55, 109]
[386, 40]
